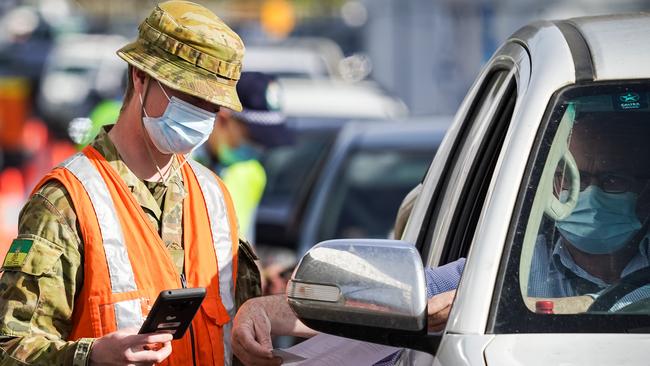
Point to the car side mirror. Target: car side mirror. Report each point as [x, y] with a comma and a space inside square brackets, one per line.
[367, 289]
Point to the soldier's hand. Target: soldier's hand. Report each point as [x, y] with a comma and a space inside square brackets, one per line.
[251, 335]
[438, 310]
[127, 347]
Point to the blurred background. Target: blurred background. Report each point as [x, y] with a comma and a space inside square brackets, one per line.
[369, 88]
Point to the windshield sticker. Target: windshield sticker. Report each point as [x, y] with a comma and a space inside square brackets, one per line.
[630, 101]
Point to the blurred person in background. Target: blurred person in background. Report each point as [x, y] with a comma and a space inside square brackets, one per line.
[105, 232]
[239, 139]
[233, 151]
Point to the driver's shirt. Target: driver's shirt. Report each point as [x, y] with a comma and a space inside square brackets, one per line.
[554, 273]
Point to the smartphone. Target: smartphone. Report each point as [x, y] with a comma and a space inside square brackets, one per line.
[173, 311]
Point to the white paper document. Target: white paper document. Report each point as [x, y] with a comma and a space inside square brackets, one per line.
[327, 350]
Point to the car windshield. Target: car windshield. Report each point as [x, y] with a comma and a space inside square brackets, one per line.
[283, 164]
[369, 188]
[583, 237]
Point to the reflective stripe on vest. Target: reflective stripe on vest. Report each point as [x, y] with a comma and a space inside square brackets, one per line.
[127, 313]
[221, 235]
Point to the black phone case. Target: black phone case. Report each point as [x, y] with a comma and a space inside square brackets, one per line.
[173, 311]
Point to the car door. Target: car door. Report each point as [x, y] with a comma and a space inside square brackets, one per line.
[550, 304]
[446, 214]
[488, 205]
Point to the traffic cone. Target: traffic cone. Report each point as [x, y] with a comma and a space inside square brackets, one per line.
[12, 199]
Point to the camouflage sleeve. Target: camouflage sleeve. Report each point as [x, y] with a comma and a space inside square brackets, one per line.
[249, 282]
[37, 289]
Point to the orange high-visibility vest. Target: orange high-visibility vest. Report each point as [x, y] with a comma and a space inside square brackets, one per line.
[126, 263]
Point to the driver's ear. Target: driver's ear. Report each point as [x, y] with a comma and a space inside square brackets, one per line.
[643, 203]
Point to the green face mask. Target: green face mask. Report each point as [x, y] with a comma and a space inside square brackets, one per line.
[228, 156]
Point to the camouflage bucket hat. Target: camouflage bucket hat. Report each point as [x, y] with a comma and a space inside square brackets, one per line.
[188, 48]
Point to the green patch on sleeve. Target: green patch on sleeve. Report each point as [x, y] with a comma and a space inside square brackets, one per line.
[17, 253]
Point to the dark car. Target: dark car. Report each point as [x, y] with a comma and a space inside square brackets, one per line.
[316, 110]
[370, 169]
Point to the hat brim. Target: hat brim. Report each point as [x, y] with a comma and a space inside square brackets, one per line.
[180, 75]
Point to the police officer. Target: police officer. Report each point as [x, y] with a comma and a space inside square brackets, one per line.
[129, 216]
[239, 140]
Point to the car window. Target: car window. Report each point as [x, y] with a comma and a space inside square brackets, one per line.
[284, 164]
[368, 191]
[582, 242]
[455, 215]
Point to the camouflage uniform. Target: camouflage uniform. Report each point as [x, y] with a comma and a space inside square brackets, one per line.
[37, 299]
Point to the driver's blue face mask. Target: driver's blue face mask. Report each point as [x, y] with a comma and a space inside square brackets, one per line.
[601, 222]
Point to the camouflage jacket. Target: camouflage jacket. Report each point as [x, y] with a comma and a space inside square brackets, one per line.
[37, 296]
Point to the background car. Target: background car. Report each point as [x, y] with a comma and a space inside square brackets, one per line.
[358, 189]
[302, 58]
[80, 72]
[371, 167]
[488, 196]
[316, 111]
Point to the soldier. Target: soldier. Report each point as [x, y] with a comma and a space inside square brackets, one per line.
[107, 230]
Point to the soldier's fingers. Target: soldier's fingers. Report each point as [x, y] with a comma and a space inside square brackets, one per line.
[147, 357]
[263, 336]
[250, 359]
[138, 341]
[166, 350]
[154, 338]
[250, 342]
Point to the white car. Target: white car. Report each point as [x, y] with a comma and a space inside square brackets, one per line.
[543, 183]
[81, 70]
[311, 58]
[338, 99]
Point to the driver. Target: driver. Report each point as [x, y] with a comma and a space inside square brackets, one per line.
[606, 236]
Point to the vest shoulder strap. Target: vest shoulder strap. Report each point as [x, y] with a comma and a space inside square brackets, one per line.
[122, 278]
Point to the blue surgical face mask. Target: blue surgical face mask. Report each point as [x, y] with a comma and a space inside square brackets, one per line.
[181, 128]
[601, 223]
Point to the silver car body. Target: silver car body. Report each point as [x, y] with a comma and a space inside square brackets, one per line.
[338, 99]
[543, 61]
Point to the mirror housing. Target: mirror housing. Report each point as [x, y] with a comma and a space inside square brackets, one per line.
[368, 289]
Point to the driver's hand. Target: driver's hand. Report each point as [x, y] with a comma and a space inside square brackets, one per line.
[438, 310]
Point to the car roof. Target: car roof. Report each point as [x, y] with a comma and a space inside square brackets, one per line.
[311, 57]
[284, 61]
[338, 99]
[607, 47]
[421, 133]
[618, 45]
[87, 49]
